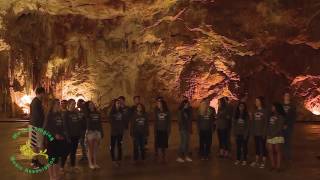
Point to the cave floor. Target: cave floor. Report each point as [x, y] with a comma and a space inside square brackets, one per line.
[305, 166]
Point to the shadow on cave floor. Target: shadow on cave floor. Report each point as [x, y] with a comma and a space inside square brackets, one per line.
[306, 166]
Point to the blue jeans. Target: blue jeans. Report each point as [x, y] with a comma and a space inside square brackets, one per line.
[184, 142]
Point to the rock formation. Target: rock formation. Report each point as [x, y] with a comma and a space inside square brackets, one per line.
[100, 49]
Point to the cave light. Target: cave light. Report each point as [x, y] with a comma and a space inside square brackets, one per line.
[24, 103]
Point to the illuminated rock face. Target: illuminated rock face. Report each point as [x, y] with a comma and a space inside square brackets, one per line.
[99, 50]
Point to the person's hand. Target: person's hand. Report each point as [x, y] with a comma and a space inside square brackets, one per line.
[59, 137]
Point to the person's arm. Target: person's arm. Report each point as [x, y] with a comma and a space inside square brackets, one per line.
[169, 122]
[66, 125]
[179, 116]
[132, 125]
[234, 125]
[198, 121]
[100, 126]
[214, 118]
[155, 121]
[147, 125]
[190, 121]
[247, 130]
[265, 125]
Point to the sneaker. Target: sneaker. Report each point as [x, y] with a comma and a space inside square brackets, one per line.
[262, 166]
[237, 162]
[188, 159]
[180, 160]
[253, 164]
[244, 163]
[91, 167]
[96, 166]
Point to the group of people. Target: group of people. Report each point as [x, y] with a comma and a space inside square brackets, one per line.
[73, 123]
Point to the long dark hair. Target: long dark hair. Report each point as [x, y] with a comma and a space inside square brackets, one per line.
[222, 103]
[142, 106]
[245, 113]
[114, 107]
[87, 107]
[163, 104]
[279, 108]
[183, 103]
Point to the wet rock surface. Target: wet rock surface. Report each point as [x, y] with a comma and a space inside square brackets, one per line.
[98, 49]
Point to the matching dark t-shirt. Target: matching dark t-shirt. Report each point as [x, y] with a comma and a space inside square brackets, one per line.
[275, 126]
[185, 119]
[139, 124]
[74, 124]
[206, 121]
[241, 126]
[162, 121]
[259, 123]
[55, 124]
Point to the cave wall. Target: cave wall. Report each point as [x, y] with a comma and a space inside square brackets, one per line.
[99, 50]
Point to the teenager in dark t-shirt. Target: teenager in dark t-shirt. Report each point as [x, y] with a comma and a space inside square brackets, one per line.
[117, 126]
[206, 126]
[185, 129]
[258, 127]
[94, 134]
[55, 126]
[240, 125]
[139, 132]
[75, 129]
[275, 138]
[224, 118]
[162, 127]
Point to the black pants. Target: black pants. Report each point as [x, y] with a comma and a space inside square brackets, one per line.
[116, 142]
[55, 149]
[71, 150]
[223, 135]
[83, 146]
[242, 147]
[260, 143]
[138, 147]
[205, 139]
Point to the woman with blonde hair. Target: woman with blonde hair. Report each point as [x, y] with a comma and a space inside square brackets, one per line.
[55, 126]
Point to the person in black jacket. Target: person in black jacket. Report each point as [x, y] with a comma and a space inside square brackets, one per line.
[55, 126]
[162, 127]
[139, 131]
[117, 123]
[206, 126]
[94, 134]
[185, 128]
[37, 118]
